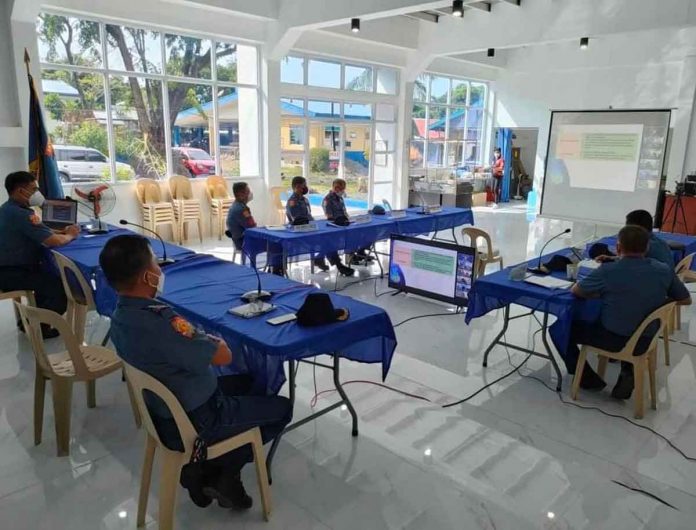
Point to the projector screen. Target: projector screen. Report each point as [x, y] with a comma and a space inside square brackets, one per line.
[602, 164]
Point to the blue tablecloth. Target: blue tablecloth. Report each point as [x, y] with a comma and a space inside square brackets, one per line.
[84, 252]
[202, 288]
[496, 290]
[689, 243]
[333, 239]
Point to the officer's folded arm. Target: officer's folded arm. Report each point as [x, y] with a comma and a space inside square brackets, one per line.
[58, 240]
[223, 355]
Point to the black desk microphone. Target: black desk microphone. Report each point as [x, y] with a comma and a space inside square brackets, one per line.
[164, 260]
[539, 269]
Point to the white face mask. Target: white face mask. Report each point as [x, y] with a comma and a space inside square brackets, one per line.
[160, 282]
[251, 196]
[36, 199]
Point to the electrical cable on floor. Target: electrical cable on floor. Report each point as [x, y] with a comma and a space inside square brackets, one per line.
[313, 401]
[427, 316]
[638, 490]
[361, 280]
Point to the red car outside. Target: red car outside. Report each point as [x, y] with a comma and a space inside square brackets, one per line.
[194, 161]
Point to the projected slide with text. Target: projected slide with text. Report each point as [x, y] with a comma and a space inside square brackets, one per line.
[603, 157]
[432, 270]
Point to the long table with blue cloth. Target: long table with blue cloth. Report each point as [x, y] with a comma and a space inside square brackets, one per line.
[497, 290]
[328, 238]
[688, 242]
[203, 288]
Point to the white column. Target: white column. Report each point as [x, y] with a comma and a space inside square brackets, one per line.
[270, 104]
[404, 132]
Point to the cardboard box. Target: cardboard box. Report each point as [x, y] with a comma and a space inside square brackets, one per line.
[478, 199]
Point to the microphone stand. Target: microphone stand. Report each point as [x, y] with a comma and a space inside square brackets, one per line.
[164, 260]
[258, 293]
[539, 269]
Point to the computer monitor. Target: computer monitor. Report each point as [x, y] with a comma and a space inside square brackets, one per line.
[433, 269]
[59, 213]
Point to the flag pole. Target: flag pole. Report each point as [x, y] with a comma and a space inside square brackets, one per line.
[32, 88]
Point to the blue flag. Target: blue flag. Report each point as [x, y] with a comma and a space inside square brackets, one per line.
[41, 159]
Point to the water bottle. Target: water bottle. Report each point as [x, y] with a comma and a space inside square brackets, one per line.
[531, 205]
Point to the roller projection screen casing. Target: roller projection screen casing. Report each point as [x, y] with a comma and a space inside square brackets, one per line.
[600, 165]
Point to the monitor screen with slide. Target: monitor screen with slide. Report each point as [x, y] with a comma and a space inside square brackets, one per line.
[434, 269]
[602, 164]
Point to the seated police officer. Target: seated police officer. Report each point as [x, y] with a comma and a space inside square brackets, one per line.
[630, 288]
[22, 238]
[658, 249]
[299, 211]
[239, 219]
[335, 210]
[149, 335]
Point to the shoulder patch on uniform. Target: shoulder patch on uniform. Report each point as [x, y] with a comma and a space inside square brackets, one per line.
[34, 219]
[246, 212]
[183, 327]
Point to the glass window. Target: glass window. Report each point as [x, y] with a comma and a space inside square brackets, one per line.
[296, 134]
[226, 61]
[75, 113]
[457, 123]
[385, 136]
[460, 92]
[324, 74]
[357, 111]
[68, 40]
[420, 87]
[439, 89]
[324, 156]
[387, 81]
[187, 56]
[292, 70]
[478, 94]
[386, 112]
[291, 107]
[133, 50]
[356, 160]
[416, 154]
[436, 154]
[138, 127]
[323, 109]
[191, 116]
[358, 78]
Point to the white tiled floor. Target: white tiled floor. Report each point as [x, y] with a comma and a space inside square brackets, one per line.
[514, 457]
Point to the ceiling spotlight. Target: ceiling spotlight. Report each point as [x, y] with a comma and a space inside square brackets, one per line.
[458, 8]
[355, 25]
[584, 43]
[491, 52]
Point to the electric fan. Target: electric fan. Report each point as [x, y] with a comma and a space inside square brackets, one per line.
[95, 201]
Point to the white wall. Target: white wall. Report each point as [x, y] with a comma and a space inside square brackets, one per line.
[651, 69]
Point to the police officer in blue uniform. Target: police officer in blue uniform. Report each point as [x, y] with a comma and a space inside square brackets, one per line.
[335, 210]
[149, 335]
[299, 211]
[239, 219]
[22, 239]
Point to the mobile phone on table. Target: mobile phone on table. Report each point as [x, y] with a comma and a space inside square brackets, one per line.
[282, 319]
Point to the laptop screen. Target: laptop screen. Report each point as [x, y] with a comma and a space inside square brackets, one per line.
[59, 212]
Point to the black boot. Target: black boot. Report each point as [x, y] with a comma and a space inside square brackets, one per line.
[624, 384]
[590, 380]
[320, 263]
[230, 493]
[345, 271]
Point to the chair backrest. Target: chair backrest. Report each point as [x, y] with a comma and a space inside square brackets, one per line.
[216, 186]
[140, 382]
[684, 265]
[180, 187]
[148, 191]
[474, 234]
[75, 285]
[32, 318]
[663, 314]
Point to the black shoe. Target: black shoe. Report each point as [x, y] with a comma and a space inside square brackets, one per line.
[47, 332]
[590, 380]
[20, 326]
[320, 263]
[230, 493]
[624, 386]
[345, 271]
[199, 497]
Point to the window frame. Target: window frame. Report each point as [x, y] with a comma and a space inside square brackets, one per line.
[106, 72]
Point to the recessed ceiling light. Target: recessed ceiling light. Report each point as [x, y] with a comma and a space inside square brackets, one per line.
[355, 25]
[491, 52]
[458, 8]
[584, 43]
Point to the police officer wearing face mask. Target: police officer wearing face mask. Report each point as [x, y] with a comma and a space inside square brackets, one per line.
[298, 210]
[22, 238]
[335, 210]
[152, 337]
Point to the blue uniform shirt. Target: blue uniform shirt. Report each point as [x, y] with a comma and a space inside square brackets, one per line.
[630, 289]
[239, 219]
[298, 206]
[334, 206]
[659, 250]
[150, 336]
[21, 235]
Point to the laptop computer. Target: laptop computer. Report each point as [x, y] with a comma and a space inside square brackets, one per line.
[59, 213]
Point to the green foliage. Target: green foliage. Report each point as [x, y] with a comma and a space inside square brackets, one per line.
[123, 174]
[54, 106]
[90, 134]
[319, 159]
